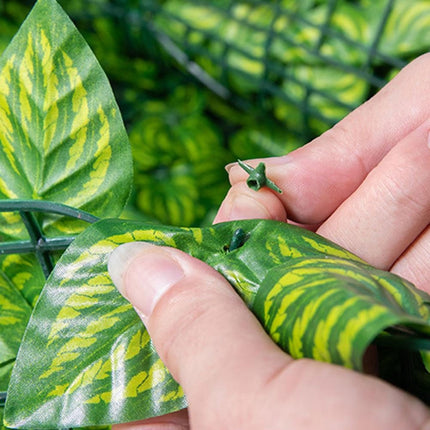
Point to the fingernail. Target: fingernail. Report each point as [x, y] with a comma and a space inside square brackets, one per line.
[244, 207]
[229, 166]
[142, 273]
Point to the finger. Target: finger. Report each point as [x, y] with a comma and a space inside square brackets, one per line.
[249, 205]
[200, 327]
[392, 202]
[318, 177]
[233, 375]
[413, 263]
[174, 421]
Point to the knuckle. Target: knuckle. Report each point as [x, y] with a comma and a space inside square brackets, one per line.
[401, 194]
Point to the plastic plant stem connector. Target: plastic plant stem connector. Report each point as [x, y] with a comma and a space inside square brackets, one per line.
[238, 239]
[257, 177]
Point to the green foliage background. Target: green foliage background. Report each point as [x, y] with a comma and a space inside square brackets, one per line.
[202, 83]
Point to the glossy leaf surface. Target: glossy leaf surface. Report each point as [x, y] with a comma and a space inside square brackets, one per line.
[61, 134]
[96, 364]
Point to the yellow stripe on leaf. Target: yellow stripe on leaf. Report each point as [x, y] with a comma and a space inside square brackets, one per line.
[321, 350]
[295, 344]
[144, 381]
[26, 76]
[50, 83]
[6, 129]
[173, 395]
[80, 109]
[331, 250]
[353, 327]
[137, 343]
[281, 313]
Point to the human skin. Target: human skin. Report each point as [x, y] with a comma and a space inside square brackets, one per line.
[363, 184]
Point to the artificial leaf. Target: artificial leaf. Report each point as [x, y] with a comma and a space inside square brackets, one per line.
[262, 140]
[14, 315]
[90, 360]
[329, 308]
[61, 139]
[61, 134]
[406, 30]
[23, 272]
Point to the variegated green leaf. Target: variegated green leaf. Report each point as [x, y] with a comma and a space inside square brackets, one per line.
[23, 271]
[61, 134]
[262, 140]
[334, 94]
[90, 360]
[61, 139]
[330, 309]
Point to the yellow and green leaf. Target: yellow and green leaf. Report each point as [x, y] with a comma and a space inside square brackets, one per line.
[61, 139]
[98, 364]
[61, 134]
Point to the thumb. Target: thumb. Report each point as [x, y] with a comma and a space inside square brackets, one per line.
[234, 377]
[203, 332]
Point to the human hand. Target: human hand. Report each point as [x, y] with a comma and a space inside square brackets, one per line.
[232, 373]
[364, 184]
[369, 171]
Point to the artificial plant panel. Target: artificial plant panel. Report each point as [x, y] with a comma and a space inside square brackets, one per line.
[178, 158]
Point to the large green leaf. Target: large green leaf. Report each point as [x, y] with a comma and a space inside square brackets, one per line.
[406, 30]
[24, 273]
[21, 281]
[61, 134]
[86, 358]
[262, 140]
[14, 315]
[61, 139]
